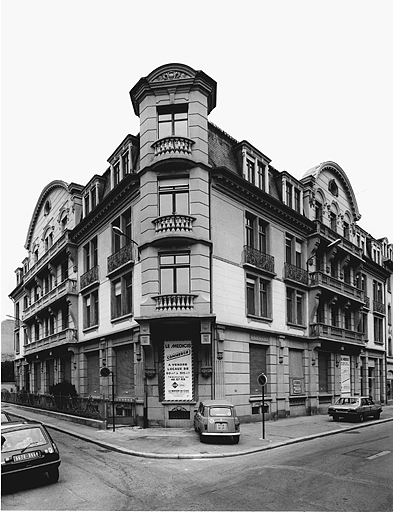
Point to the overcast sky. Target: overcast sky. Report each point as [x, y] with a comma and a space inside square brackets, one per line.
[303, 81]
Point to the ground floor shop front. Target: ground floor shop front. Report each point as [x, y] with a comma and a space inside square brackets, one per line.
[161, 369]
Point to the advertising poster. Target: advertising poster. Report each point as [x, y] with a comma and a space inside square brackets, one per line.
[178, 370]
[345, 376]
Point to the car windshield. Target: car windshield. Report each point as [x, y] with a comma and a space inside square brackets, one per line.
[347, 400]
[19, 439]
[220, 411]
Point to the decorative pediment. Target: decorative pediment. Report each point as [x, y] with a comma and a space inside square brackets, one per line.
[171, 75]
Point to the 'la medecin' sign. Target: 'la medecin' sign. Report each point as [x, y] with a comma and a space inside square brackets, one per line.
[178, 370]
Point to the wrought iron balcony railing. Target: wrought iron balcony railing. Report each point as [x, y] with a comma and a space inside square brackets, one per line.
[295, 273]
[120, 258]
[258, 259]
[175, 301]
[379, 307]
[89, 277]
[173, 223]
[173, 145]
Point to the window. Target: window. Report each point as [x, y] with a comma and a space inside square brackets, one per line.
[250, 171]
[333, 222]
[250, 219]
[333, 315]
[48, 241]
[261, 175]
[90, 303]
[173, 121]
[126, 162]
[377, 291]
[116, 174]
[175, 273]
[93, 199]
[87, 204]
[389, 314]
[378, 330]
[295, 306]
[64, 270]
[288, 191]
[293, 250]
[262, 245]
[257, 366]
[173, 196]
[257, 296]
[64, 317]
[91, 254]
[123, 222]
[347, 319]
[363, 324]
[346, 230]
[297, 200]
[17, 342]
[318, 211]
[122, 296]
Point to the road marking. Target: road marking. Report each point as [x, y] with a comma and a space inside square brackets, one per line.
[380, 454]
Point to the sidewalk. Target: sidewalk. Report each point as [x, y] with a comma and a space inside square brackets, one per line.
[184, 443]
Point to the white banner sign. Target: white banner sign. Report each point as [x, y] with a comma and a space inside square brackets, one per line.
[345, 375]
[178, 370]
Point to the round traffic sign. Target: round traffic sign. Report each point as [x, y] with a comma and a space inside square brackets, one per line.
[105, 372]
[262, 379]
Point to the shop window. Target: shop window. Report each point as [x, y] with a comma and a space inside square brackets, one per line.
[93, 373]
[125, 370]
[175, 273]
[323, 372]
[257, 366]
[296, 372]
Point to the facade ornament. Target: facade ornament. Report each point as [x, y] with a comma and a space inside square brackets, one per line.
[171, 75]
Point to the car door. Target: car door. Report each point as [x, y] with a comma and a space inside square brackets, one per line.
[365, 407]
[199, 417]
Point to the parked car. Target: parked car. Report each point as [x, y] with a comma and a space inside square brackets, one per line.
[355, 407]
[5, 417]
[28, 448]
[217, 418]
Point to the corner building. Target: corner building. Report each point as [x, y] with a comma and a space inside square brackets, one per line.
[196, 266]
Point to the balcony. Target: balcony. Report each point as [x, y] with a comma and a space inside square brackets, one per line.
[51, 341]
[319, 330]
[379, 307]
[295, 273]
[175, 302]
[66, 287]
[331, 236]
[120, 258]
[89, 277]
[333, 284]
[174, 224]
[177, 146]
[258, 259]
[46, 258]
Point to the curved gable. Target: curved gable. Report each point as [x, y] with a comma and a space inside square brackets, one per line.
[339, 174]
[40, 204]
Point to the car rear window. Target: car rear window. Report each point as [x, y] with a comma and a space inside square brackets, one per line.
[19, 439]
[220, 411]
[347, 400]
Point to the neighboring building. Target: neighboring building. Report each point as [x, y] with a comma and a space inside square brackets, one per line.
[192, 265]
[7, 355]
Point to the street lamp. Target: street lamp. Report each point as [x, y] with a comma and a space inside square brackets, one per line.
[119, 232]
[333, 244]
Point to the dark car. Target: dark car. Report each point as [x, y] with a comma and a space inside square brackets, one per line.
[5, 417]
[28, 448]
[355, 407]
[217, 418]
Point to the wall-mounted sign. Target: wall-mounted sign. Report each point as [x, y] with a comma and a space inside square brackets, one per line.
[345, 375]
[178, 370]
[296, 386]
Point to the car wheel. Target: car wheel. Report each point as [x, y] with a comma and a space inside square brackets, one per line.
[377, 415]
[235, 439]
[335, 417]
[361, 417]
[53, 475]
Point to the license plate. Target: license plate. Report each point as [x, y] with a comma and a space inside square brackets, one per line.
[221, 426]
[26, 456]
